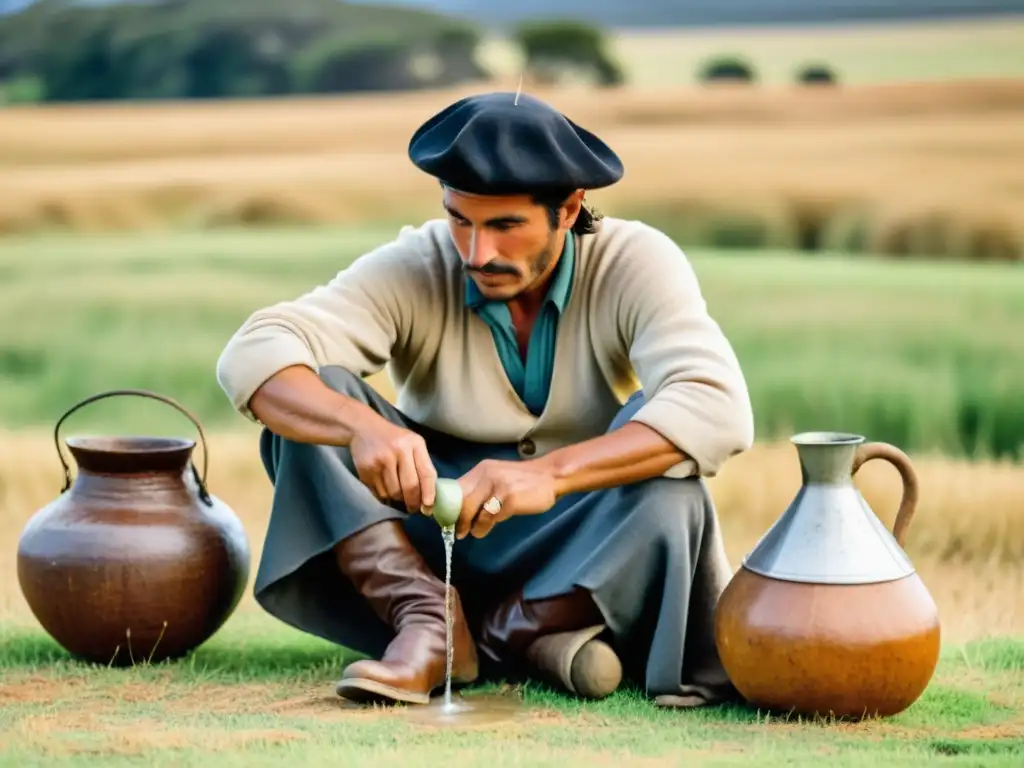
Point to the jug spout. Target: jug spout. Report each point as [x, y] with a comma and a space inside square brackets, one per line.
[826, 458]
[829, 534]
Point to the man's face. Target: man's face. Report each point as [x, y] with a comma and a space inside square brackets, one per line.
[507, 244]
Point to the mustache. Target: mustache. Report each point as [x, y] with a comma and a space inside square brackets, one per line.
[492, 268]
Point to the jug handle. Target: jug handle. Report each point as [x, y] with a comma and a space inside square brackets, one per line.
[200, 480]
[900, 460]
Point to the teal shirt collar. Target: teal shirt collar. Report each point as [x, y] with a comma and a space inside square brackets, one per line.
[558, 291]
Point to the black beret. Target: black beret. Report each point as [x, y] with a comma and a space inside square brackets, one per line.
[490, 144]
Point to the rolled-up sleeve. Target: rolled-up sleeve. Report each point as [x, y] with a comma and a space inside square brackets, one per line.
[694, 389]
[353, 321]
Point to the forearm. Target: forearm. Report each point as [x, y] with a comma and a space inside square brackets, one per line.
[630, 454]
[295, 404]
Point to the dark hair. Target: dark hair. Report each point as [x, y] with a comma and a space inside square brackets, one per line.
[587, 222]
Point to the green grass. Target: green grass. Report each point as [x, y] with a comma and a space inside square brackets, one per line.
[926, 355]
[259, 694]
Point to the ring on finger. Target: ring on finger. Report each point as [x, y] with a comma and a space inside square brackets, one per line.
[493, 505]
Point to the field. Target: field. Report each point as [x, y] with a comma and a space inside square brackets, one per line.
[859, 53]
[135, 239]
[899, 351]
[926, 356]
[879, 165]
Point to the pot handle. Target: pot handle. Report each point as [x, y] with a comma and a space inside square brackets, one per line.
[200, 479]
[900, 460]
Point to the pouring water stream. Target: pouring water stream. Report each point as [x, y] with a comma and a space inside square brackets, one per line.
[483, 710]
[448, 534]
[446, 510]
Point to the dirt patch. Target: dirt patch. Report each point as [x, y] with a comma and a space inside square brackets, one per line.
[316, 704]
[93, 733]
[177, 698]
[236, 699]
[1006, 700]
[547, 716]
[35, 690]
[879, 729]
[307, 705]
[77, 701]
[1004, 689]
[127, 740]
[1011, 730]
[870, 729]
[88, 719]
[42, 689]
[93, 725]
[38, 689]
[45, 726]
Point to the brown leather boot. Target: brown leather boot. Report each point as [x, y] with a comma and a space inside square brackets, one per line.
[393, 577]
[556, 639]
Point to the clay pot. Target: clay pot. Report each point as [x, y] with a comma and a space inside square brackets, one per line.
[135, 561]
[827, 616]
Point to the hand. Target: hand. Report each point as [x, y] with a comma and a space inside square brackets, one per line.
[522, 487]
[393, 463]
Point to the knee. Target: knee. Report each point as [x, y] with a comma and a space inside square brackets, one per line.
[670, 509]
[302, 462]
[345, 382]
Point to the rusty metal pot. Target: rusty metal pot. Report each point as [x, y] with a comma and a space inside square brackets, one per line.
[135, 561]
[827, 615]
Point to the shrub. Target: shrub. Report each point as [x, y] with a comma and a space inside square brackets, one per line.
[816, 74]
[728, 68]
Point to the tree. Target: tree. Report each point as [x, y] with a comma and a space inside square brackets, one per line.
[342, 64]
[388, 62]
[226, 48]
[456, 48]
[554, 49]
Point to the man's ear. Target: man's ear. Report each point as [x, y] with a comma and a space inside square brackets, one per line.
[571, 208]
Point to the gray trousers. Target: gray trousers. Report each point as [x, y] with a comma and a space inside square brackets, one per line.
[650, 554]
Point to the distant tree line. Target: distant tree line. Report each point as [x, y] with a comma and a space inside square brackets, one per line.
[732, 68]
[200, 49]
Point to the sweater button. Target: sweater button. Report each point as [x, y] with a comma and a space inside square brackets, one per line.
[527, 447]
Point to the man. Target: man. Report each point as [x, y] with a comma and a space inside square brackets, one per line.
[514, 329]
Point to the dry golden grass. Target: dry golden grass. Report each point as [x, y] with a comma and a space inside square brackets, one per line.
[967, 538]
[898, 161]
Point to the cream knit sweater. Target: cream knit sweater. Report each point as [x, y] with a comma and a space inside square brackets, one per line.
[635, 318]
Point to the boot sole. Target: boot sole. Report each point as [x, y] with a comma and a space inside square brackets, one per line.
[365, 690]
